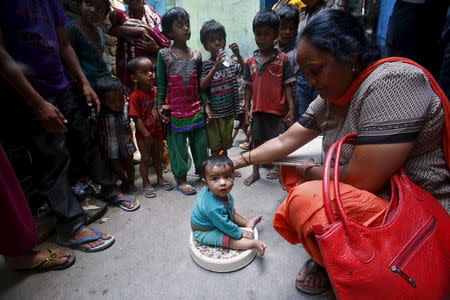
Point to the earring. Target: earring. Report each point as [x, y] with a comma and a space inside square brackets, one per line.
[354, 69]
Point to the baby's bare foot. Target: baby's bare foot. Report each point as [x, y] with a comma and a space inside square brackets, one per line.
[261, 246]
[252, 178]
[253, 221]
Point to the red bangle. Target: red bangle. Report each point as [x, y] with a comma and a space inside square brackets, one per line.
[246, 161]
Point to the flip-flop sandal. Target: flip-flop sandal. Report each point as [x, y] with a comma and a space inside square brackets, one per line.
[149, 192]
[51, 256]
[129, 198]
[273, 174]
[312, 267]
[167, 186]
[245, 146]
[77, 243]
[186, 189]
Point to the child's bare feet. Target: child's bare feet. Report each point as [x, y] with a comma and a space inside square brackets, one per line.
[253, 221]
[252, 178]
[261, 246]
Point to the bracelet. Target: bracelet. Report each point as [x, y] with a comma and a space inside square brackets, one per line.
[249, 158]
[306, 171]
[246, 161]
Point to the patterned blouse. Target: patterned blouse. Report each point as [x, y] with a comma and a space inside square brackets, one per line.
[394, 104]
[179, 86]
[89, 53]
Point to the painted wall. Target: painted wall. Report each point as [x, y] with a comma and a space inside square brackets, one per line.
[159, 5]
[235, 15]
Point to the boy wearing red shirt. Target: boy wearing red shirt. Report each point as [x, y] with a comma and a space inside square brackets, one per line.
[268, 78]
[149, 128]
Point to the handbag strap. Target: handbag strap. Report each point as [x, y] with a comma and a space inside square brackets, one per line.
[357, 241]
[335, 147]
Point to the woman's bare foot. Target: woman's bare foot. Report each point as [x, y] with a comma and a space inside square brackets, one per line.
[237, 174]
[261, 246]
[28, 261]
[85, 232]
[252, 178]
[253, 221]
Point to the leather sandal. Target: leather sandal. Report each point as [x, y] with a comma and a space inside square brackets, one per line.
[310, 268]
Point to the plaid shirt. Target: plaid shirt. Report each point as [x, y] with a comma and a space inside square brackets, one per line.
[115, 134]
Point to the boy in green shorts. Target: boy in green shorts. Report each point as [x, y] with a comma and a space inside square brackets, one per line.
[219, 80]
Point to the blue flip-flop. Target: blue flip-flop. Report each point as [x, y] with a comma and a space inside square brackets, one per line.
[129, 199]
[180, 188]
[152, 193]
[77, 243]
[167, 186]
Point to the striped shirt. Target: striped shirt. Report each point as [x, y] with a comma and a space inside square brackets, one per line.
[223, 91]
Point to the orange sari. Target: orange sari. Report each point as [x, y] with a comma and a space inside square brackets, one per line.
[303, 208]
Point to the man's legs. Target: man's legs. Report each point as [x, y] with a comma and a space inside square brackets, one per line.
[83, 142]
[49, 160]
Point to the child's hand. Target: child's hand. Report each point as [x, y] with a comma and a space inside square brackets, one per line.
[163, 116]
[247, 118]
[218, 62]
[209, 113]
[289, 118]
[247, 234]
[235, 48]
[166, 108]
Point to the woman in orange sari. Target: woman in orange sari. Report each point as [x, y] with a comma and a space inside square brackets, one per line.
[402, 118]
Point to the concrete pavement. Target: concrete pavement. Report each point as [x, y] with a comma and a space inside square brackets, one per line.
[151, 260]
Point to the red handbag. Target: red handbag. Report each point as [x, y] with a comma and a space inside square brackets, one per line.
[406, 257]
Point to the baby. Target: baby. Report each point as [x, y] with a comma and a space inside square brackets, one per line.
[214, 220]
[120, 18]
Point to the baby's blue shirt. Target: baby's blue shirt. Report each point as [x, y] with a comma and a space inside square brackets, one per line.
[210, 212]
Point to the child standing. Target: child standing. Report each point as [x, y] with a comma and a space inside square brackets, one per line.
[220, 83]
[115, 132]
[178, 73]
[289, 18]
[88, 40]
[268, 76]
[214, 221]
[149, 128]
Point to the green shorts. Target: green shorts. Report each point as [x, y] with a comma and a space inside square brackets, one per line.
[213, 237]
[220, 132]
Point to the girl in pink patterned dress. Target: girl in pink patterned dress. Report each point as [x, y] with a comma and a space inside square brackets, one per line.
[178, 74]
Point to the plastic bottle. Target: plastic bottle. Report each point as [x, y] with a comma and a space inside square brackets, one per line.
[226, 59]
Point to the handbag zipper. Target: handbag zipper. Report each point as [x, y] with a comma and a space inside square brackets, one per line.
[411, 248]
